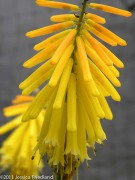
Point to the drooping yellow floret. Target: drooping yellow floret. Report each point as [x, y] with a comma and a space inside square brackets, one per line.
[10, 125]
[71, 104]
[100, 35]
[38, 103]
[66, 42]
[83, 60]
[93, 42]
[43, 55]
[102, 66]
[99, 76]
[36, 74]
[63, 85]
[16, 151]
[114, 59]
[51, 40]
[107, 33]
[61, 65]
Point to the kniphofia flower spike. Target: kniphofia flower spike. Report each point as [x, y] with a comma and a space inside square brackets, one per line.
[17, 150]
[77, 73]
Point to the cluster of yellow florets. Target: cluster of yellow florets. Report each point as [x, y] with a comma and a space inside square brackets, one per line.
[17, 149]
[77, 73]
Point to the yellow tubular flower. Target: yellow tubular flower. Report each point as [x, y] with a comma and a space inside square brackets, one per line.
[59, 5]
[51, 40]
[110, 9]
[61, 65]
[16, 151]
[117, 62]
[96, 47]
[71, 104]
[63, 85]
[77, 74]
[102, 66]
[108, 33]
[49, 29]
[95, 18]
[67, 41]
[100, 35]
[83, 60]
[43, 55]
[63, 17]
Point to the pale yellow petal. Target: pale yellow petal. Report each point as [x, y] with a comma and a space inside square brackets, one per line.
[36, 74]
[10, 125]
[61, 65]
[102, 66]
[105, 106]
[38, 103]
[71, 104]
[43, 55]
[63, 85]
[66, 42]
[82, 59]
[104, 81]
[93, 42]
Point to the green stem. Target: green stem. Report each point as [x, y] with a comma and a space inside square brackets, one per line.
[84, 4]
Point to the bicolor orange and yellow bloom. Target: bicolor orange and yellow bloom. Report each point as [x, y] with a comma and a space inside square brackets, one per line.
[16, 151]
[77, 72]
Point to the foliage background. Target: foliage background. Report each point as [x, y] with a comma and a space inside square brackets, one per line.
[116, 158]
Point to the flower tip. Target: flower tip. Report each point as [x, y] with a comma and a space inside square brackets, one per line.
[118, 84]
[123, 42]
[20, 86]
[104, 21]
[110, 117]
[24, 93]
[5, 112]
[25, 118]
[28, 34]
[118, 98]
[36, 48]
[52, 83]
[121, 65]
[129, 14]
[26, 65]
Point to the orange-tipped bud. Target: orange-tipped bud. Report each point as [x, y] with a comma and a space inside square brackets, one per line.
[95, 18]
[63, 17]
[49, 29]
[110, 9]
[59, 5]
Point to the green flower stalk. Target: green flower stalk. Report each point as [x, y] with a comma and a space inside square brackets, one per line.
[77, 73]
